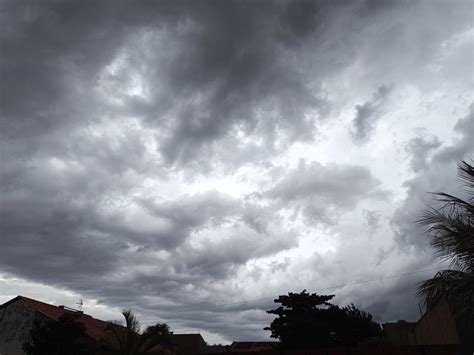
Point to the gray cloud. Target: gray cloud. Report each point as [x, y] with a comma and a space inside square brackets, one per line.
[373, 219]
[438, 174]
[217, 259]
[339, 185]
[419, 148]
[144, 148]
[319, 191]
[192, 213]
[368, 113]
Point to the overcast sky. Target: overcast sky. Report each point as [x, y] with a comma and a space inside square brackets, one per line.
[192, 160]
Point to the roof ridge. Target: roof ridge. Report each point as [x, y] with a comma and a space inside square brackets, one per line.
[62, 307]
[95, 328]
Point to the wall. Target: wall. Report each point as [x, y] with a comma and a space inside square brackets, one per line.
[15, 322]
[188, 344]
[364, 350]
[437, 326]
[399, 333]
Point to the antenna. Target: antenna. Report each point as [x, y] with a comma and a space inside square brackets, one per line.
[80, 303]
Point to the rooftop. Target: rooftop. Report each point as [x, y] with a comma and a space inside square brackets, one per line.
[95, 328]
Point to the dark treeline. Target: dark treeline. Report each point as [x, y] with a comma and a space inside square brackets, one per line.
[307, 320]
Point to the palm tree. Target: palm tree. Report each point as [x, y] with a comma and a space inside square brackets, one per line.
[129, 340]
[451, 233]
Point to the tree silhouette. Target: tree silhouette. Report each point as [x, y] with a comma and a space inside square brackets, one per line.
[451, 233]
[309, 320]
[129, 340]
[358, 326]
[64, 336]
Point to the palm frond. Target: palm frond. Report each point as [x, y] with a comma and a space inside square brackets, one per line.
[466, 173]
[456, 286]
[450, 228]
[454, 204]
[452, 236]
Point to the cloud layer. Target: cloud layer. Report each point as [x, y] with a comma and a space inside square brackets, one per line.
[193, 160]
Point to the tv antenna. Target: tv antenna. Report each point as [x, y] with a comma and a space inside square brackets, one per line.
[80, 304]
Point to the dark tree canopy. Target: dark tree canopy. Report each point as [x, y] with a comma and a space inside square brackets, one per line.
[308, 320]
[160, 332]
[358, 326]
[451, 233]
[48, 337]
[129, 340]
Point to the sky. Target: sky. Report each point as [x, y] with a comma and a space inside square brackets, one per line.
[193, 160]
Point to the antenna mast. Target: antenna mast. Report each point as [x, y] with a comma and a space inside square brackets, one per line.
[80, 303]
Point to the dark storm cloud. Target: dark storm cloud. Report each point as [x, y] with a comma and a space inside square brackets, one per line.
[399, 38]
[221, 62]
[219, 66]
[99, 98]
[47, 72]
[208, 67]
[56, 213]
[439, 174]
[194, 210]
[319, 190]
[217, 259]
[368, 113]
[54, 56]
[187, 213]
[223, 65]
[419, 148]
[52, 207]
[388, 297]
[239, 68]
[396, 301]
[331, 182]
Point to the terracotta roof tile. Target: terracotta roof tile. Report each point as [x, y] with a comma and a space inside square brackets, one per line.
[95, 328]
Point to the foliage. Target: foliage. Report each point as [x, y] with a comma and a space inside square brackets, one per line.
[451, 233]
[129, 340]
[359, 326]
[48, 337]
[309, 320]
